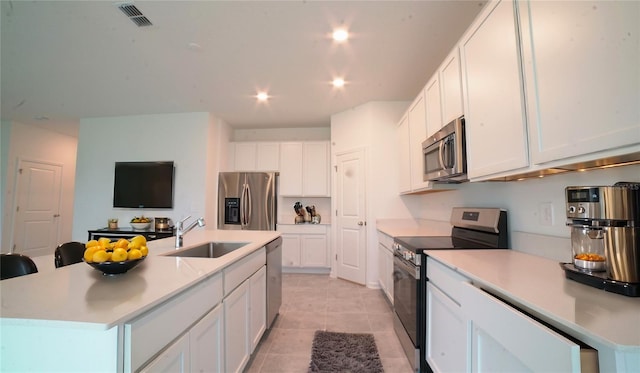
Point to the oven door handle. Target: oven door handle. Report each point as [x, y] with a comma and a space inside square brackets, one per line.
[414, 271]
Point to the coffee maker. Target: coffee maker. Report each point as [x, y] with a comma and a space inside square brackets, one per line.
[605, 235]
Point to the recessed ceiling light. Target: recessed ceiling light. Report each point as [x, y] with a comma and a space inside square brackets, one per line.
[338, 82]
[262, 96]
[340, 35]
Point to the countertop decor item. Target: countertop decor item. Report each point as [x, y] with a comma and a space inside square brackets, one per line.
[140, 226]
[112, 223]
[115, 268]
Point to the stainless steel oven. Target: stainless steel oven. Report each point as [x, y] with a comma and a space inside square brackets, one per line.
[444, 154]
[407, 294]
[473, 228]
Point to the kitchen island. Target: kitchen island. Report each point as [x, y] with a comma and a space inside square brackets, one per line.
[75, 319]
[537, 290]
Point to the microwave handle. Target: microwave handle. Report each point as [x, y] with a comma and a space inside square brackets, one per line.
[450, 160]
[441, 155]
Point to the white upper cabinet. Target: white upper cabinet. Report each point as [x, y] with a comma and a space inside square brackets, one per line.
[255, 156]
[304, 169]
[404, 167]
[451, 87]
[316, 165]
[268, 156]
[244, 156]
[443, 93]
[582, 72]
[417, 134]
[433, 105]
[493, 93]
[410, 133]
[291, 169]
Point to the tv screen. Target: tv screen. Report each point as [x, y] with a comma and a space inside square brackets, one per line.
[143, 185]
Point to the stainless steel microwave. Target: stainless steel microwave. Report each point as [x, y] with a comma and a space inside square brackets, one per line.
[444, 154]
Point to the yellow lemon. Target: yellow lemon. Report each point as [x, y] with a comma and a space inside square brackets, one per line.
[119, 255]
[122, 243]
[142, 239]
[104, 241]
[144, 251]
[134, 254]
[88, 253]
[101, 256]
[91, 243]
[134, 245]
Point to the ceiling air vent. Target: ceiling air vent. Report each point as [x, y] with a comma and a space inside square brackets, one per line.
[135, 15]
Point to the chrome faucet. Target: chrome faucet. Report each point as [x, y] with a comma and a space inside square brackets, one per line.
[180, 231]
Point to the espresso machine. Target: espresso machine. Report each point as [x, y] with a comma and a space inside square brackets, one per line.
[605, 235]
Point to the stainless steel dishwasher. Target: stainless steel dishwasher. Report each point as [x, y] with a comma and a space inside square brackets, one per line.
[274, 279]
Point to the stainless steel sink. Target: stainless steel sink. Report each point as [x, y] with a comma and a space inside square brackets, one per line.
[209, 250]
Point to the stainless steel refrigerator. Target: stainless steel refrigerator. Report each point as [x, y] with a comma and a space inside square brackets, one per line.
[247, 200]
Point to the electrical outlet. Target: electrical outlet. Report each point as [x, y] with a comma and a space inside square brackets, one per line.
[545, 214]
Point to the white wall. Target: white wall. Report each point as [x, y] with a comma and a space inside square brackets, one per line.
[26, 142]
[182, 138]
[372, 126]
[5, 129]
[522, 199]
[217, 154]
[283, 134]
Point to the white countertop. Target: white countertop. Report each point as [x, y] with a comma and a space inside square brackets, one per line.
[80, 296]
[539, 286]
[413, 227]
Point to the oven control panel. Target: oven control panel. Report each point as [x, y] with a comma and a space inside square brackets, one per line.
[406, 254]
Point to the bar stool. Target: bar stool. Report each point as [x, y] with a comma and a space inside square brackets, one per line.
[14, 265]
[68, 253]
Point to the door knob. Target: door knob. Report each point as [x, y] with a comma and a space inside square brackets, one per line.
[361, 223]
[56, 215]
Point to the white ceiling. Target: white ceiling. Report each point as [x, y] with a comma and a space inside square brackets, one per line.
[66, 60]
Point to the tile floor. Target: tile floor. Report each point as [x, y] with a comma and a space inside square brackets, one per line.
[318, 302]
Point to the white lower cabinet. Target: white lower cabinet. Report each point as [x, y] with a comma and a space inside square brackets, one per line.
[258, 306]
[471, 330]
[385, 265]
[174, 359]
[245, 309]
[245, 320]
[213, 327]
[447, 336]
[199, 350]
[206, 342]
[151, 333]
[304, 246]
[236, 309]
[505, 339]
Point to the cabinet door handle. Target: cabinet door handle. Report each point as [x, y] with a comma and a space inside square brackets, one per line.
[56, 215]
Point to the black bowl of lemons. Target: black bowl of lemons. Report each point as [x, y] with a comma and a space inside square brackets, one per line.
[113, 258]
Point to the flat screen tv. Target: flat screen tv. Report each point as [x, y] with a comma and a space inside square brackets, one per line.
[143, 185]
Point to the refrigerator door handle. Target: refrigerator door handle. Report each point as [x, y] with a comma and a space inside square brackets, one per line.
[248, 205]
[245, 210]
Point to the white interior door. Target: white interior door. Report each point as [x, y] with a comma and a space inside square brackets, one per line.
[37, 208]
[351, 243]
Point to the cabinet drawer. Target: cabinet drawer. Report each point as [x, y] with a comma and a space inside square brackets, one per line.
[497, 339]
[151, 332]
[445, 279]
[385, 240]
[236, 273]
